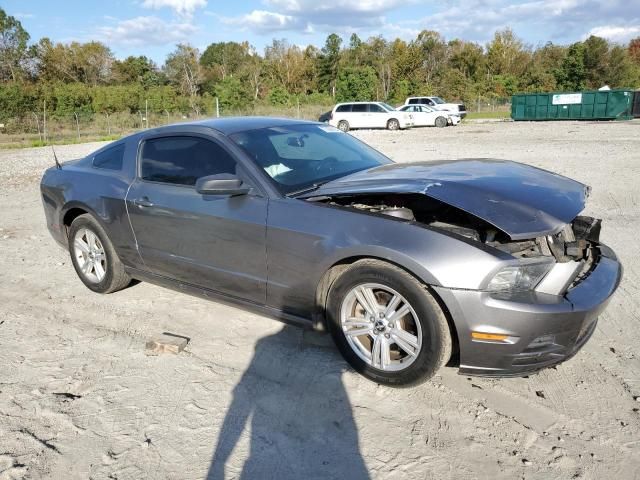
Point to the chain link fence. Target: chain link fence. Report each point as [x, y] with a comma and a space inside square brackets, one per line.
[37, 129]
[489, 104]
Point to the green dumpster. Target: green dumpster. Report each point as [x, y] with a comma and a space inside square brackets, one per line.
[589, 105]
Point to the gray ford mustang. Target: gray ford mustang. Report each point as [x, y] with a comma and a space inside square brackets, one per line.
[485, 264]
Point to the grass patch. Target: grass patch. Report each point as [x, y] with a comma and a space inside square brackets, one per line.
[495, 114]
[58, 141]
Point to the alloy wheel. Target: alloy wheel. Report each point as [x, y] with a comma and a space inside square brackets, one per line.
[381, 327]
[90, 255]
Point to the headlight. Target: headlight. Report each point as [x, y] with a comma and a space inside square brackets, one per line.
[519, 277]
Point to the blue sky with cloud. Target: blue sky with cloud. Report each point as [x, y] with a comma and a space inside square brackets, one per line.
[153, 27]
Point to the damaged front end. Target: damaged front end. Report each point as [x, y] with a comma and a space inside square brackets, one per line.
[546, 263]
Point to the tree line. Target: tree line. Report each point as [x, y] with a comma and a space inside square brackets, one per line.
[87, 78]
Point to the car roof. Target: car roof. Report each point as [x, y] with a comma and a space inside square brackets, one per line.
[351, 103]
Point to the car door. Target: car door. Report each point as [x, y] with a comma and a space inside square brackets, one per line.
[359, 116]
[428, 116]
[211, 241]
[378, 116]
[414, 110]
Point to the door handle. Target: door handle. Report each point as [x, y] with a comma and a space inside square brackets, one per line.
[143, 202]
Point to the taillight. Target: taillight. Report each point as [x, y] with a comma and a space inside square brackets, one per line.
[331, 115]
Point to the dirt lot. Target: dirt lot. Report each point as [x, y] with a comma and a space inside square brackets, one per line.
[255, 399]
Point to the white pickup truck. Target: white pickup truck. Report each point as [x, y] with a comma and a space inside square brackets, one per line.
[438, 104]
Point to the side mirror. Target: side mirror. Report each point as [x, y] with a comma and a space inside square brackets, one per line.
[221, 184]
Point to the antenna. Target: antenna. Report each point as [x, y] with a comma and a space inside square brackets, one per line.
[55, 157]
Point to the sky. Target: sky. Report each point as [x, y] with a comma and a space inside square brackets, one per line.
[154, 27]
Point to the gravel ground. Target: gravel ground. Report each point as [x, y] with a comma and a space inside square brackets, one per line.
[252, 398]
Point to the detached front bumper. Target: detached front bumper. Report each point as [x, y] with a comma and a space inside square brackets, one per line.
[543, 330]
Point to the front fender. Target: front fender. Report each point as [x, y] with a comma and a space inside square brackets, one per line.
[304, 240]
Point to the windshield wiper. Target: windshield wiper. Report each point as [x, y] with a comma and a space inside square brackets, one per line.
[310, 188]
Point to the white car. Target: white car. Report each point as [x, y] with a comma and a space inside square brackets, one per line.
[349, 115]
[424, 116]
[438, 103]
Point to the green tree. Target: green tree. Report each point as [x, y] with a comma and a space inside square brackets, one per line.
[13, 48]
[596, 61]
[285, 66]
[17, 100]
[328, 63]
[506, 54]
[433, 52]
[184, 72]
[571, 75]
[468, 58]
[356, 84]
[139, 70]
[622, 72]
[232, 93]
[279, 96]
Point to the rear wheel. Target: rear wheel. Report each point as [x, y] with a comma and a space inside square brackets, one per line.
[343, 125]
[441, 122]
[393, 124]
[387, 325]
[94, 257]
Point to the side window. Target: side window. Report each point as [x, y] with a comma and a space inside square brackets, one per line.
[376, 108]
[111, 159]
[182, 160]
[359, 107]
[343, 108]
[429, 102]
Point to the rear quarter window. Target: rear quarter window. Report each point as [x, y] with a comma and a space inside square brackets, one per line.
[343, 108]
[110, 159]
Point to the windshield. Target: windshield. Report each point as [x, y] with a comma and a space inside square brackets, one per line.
[438, 100]
[300, 157]
[387, 106]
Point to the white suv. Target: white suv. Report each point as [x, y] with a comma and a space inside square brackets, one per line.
[438, 104]
[350, 115]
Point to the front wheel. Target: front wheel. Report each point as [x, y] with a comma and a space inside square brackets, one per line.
[387, 325]
[441, 122]
[94, 257]
[393, 124]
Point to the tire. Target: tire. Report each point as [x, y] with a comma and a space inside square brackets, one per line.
[393, 124]
[343, 125]
[90, 247]
[441, 122]
[430, 333]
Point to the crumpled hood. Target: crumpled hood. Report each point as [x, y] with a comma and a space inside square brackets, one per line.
[523, 201]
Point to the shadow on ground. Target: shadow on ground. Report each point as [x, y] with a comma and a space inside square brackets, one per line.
[293, 407]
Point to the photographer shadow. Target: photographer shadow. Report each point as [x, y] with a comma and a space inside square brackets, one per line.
[300, 418]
